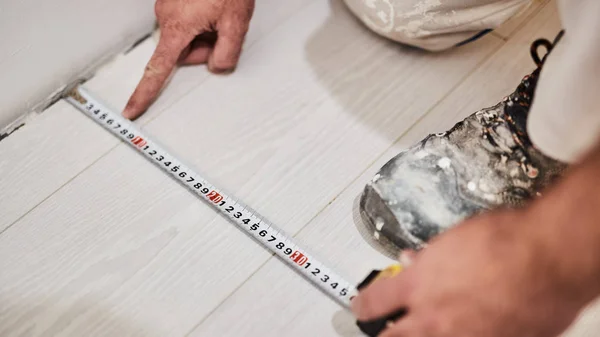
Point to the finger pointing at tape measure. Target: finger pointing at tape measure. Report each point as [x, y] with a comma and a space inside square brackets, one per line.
[482, 278]
[192, 32]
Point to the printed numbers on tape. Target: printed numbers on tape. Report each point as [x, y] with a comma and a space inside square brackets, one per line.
[259, 230]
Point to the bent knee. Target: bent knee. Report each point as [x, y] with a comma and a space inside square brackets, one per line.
[434, 25]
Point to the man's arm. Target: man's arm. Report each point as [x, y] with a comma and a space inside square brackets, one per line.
[568, 224]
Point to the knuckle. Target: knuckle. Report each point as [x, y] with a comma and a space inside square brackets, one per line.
[150, 72]
[158, 8]
[235, 24]
[174, 27]
[247, 9]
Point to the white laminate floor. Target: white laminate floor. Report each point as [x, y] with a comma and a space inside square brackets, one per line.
[95, 241]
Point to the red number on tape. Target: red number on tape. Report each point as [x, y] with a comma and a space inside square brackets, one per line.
[299, 258]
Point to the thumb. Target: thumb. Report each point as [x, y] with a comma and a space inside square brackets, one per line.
[382, 297]
[157, 71]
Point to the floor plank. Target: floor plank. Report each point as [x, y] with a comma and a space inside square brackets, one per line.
[34, 163]
[124, 250]
[284, 303]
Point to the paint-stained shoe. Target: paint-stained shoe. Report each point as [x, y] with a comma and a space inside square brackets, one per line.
[483, 162]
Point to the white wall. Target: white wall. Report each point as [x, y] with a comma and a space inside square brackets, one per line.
[46, 44]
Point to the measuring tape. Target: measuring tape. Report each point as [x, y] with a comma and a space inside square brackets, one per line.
[244, 217]
[247, 219]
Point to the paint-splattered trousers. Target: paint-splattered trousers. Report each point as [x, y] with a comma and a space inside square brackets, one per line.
[564, 120]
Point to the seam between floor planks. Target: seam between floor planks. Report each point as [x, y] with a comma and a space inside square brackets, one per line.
[58, 189]
[225, 298]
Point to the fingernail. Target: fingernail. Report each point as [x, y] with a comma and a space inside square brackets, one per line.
[126, 113]
[221, 71]
[129, 114]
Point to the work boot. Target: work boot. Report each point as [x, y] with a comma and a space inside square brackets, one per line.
[483, 162]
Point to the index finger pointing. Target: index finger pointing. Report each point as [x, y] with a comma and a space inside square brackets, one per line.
[157, 71]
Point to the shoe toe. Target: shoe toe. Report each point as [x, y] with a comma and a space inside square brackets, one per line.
[413, 198]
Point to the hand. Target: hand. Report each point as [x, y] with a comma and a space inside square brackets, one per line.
[486, 277]
[192, 32]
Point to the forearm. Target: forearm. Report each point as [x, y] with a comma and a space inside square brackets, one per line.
[566, 227]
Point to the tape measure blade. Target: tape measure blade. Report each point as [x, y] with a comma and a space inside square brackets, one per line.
[265, 232]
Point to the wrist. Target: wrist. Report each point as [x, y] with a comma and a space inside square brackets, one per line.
[564, 230]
